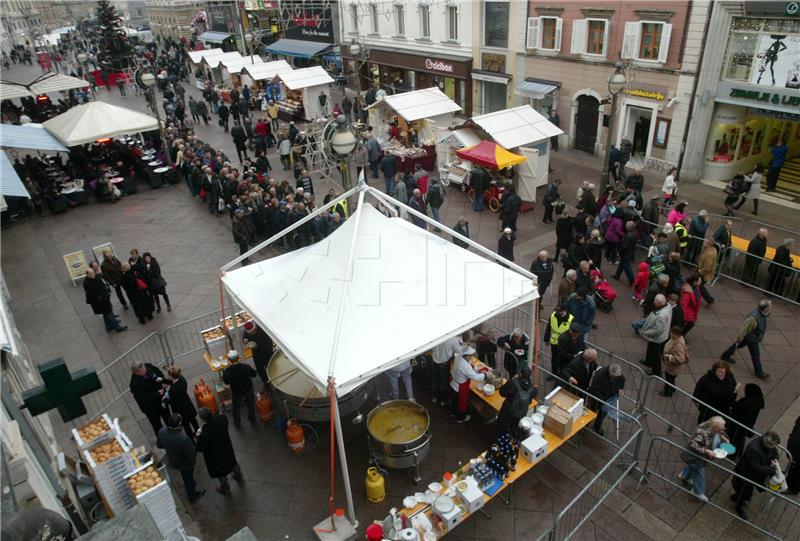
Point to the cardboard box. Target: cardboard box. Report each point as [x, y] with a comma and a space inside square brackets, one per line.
[566, 401]
[533, 447]
[558, 421]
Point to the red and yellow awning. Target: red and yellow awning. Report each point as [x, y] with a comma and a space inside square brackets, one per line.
[490, 154]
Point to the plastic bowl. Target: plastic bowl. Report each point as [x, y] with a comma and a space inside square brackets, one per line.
[720, 452]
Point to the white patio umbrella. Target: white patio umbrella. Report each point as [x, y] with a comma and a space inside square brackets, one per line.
[97, 120]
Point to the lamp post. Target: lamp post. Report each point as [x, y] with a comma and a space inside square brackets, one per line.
[149, 81]
[342, 141]
[616, 84]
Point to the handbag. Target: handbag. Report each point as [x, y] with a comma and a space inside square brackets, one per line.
[141, 284]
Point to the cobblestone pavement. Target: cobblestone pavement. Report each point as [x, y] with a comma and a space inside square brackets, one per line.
[285, 494]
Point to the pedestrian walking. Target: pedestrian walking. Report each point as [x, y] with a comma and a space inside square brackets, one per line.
[239, 377]
[214, 441]
[157, 285]
[177, 397]
[715, 391]
[758, 462]
[434, 197]
[656, 331]
[627, 253]
[240, 141]
[690, 301]
[699, 449]
[462, 228]
[388, 166]
[121, 86]
[147, 387]
[202, 111]
[223, 111]
[543, 268]
[98, 296]
[510, 203]
[751, 334]
[674, 356]
[505, 245]
[745, 411]
[181, 454]
[753, 192]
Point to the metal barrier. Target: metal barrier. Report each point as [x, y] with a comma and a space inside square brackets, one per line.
[770, 513]
[751, 228]
[763, 274]
[185, 338]
[567, 523]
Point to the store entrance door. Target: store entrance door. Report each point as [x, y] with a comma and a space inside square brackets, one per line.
[638, 131]
[586, 123]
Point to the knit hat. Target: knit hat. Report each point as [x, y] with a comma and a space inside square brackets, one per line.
[250, 327]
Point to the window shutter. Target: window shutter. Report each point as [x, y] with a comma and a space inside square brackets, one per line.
[606, 27]
[578, 36]
[533, 33]
[663, 49]
[559, 25]
[630, 43]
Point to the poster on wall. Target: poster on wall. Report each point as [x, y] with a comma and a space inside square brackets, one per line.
[308, 20]
[777, 61]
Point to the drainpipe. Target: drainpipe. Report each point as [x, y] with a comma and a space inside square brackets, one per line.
[694, 85]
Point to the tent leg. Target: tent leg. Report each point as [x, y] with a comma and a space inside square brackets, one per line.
[343, 461]
[236, 331]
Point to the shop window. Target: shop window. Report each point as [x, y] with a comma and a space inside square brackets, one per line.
[544, 33]
[495, 24]
[723, 142]
[425, 20]
[590, 36]
[646, 40]
[400, 19]
[739, 59]
[452, 23]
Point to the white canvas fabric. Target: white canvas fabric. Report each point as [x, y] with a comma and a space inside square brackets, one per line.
[96, 120]
[518, 126]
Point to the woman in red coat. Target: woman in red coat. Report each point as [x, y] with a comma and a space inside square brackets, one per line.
[690, 301]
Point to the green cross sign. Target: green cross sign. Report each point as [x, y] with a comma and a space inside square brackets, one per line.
[62, 390]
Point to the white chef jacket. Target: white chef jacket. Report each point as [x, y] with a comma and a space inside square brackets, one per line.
[463, 371]
[444, 351]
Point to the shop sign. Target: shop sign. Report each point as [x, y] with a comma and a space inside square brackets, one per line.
[642, 93]
[307, 20]
[772, 8]
[767, 97]
[778, 114]
[438, 65]
[786, 100]
[496, 63]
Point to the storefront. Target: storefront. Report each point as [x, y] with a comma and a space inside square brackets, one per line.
[401, 72]
[644, 121]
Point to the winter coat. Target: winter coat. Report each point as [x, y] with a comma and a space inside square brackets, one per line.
[214, 442]
[656, 326]
[564, 232]
[179, 401]
[604, 387]
[240, 377]
[584, 312]
[181, 453]
[389, 166]
[505, 247]
[152, 275]
[627, 247]
[718, 394]
[707, 264]
[698, 227]
[690, 301]
[543, 271]
[676, 354]
[756, 462]
[757, 247]
[565, 288]
[140, 298]
[578, 369]
[145, 390]
[112, 270]
[98, 295]
[614, 229]
[745, 411]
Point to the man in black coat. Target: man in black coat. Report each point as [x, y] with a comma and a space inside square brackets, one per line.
[181, 454]
[214, 441]
[262, 347]
[569, 344]
[608, 384]
[480, 181]
[627, 253]
[510, 204]
[543, 268]
[580, 369]
[755, 254]
[462, 228]
[505, 245]
[759, 461]
[147, 388]
[98, 295]
[240, 378]
[240, 140]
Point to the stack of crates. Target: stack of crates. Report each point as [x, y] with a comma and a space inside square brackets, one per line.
[108, 462]
[150, 489]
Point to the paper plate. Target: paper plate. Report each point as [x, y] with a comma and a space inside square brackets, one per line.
[720, 453]
[728, 448]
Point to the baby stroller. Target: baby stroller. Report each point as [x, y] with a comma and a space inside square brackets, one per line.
[604, 294]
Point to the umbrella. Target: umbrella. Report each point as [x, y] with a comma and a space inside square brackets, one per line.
[490, 154]
[97, 120]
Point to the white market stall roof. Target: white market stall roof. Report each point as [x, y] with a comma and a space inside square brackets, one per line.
[417, 104]
[236, 65]
[401, 276]
[305, 78]
[9, 91]
[215, 60]
[44, 84]
[96, 120]
[517, 126]
[462, 137]
[268, 70]
[197, 56]
[30, 136]
[10, 183]
[214, 37]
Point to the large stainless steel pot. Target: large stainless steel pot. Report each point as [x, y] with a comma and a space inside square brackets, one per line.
[399, 434]
[299, 396]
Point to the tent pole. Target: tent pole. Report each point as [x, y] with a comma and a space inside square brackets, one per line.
[235, 334]
[533, 360]
[343, 461]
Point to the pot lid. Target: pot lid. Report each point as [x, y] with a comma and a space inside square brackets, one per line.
[443, 504]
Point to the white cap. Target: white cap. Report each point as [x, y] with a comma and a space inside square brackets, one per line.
[233, 355]
[468, 350]
[507, 230]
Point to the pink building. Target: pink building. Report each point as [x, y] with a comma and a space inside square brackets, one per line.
[571, 49]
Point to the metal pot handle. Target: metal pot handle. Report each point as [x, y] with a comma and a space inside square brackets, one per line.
[420, 446]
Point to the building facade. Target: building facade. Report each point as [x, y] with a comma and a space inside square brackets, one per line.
[748, 93]
[570, 51]
[172, 18]
[409, 45]
[22, 23]
[134, 12]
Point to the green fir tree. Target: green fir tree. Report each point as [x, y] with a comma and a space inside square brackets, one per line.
[115, 50]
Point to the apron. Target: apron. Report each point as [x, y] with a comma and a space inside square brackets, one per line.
[463, 397]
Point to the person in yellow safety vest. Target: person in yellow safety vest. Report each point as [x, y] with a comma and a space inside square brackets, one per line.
[558, 323]
[683, 235]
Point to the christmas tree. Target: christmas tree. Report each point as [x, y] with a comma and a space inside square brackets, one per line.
[115, 52]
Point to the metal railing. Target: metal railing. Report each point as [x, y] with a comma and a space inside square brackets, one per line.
[751, 228]
[769, 512]
[567, 523]
[185, 338]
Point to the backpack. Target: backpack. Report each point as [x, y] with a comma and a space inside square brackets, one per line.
[518, 407]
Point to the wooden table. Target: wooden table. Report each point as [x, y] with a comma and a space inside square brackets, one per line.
[247, 354]
[487, 407]
[523, 467]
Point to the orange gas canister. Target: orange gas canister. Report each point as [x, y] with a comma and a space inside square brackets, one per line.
[264, 406]
[206, 400]
[295, 436]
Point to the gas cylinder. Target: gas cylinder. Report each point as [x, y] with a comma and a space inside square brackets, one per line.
[205, 399]
[295, 436]
[264, 406]
[376, 489]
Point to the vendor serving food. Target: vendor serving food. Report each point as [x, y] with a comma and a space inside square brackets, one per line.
[462, 374]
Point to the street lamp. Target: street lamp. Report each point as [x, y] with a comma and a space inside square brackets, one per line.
[341, 140]
[616, 84]
[149, 81]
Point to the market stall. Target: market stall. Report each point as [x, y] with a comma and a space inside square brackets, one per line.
[233, 67]
[263, 77]
[522, 129]
[304, 90]
[197, 56]
[350, 335]
[213, 65]
[496, 161]
[452, 169]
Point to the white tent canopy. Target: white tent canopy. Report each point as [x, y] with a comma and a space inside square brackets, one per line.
[417, 104]
[517, 126]
[197, 56]
[13, 90]
[305, 78]
[30, 136]
[44, 84]
[10, 183]
[235, 65]
[325, 319]
[268, 70]
[214, 61]
[97, 120]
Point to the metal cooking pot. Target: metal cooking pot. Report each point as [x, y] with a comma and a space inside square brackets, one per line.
[300, 396]
[409, 451]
